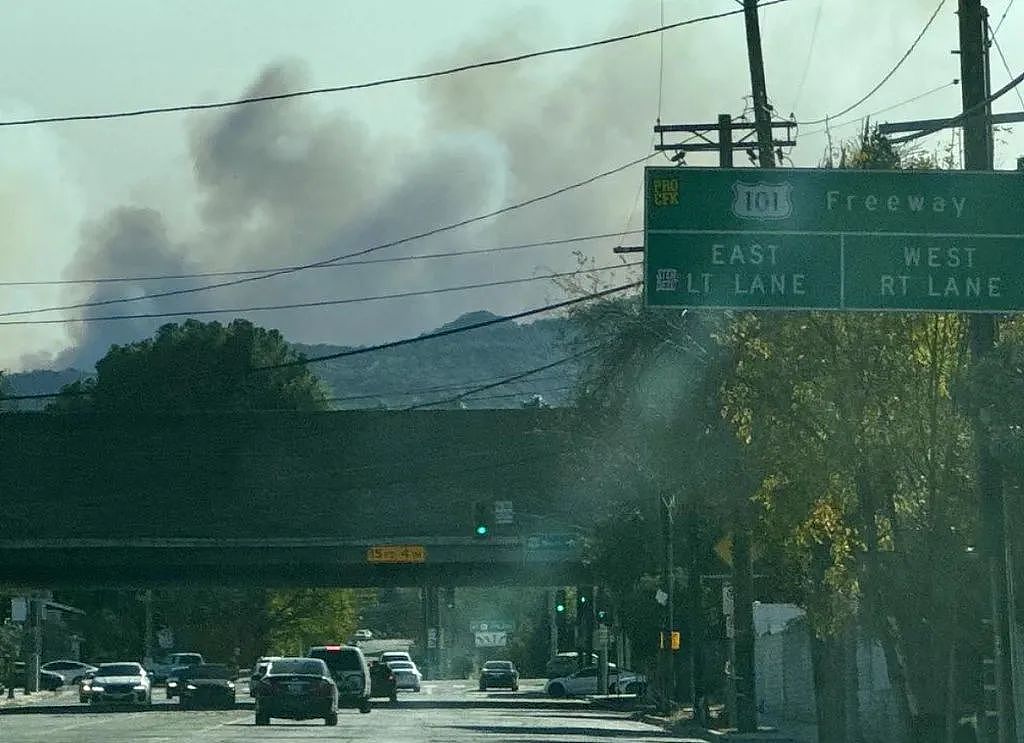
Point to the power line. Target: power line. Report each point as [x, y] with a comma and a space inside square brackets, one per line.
[343, 257]
[961, 117]
[902, 103]
[507, 380]
[1006, 66]
[427, 390]
[366, 262]
[132, 113]
[807, 60]
[456, 330]
[885, 79]
[1003, 17]
[317, 303]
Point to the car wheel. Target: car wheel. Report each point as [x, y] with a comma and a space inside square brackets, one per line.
[394, 697]
[515, 688]
[483, 688]
[364, 707]
[262, 720]
[331, 720]
[556, 690]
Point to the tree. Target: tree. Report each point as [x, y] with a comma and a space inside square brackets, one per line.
[198, 366]
[202, 367]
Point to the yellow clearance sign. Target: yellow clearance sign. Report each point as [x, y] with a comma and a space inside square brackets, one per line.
[396, 553]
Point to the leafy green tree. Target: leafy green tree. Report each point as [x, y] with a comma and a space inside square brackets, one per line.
[198, 366]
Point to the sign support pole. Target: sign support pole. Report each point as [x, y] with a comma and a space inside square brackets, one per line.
[982, 334]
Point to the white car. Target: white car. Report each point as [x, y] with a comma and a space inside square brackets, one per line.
[363, 634]
[72, 671]
[391, 655]
[407, 675]
[121, 683]
[584, 681]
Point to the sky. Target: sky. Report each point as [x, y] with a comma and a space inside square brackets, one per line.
[299, 181]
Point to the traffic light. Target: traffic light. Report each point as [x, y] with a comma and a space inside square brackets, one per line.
[560, 602]
[482, 515]
[603, 617]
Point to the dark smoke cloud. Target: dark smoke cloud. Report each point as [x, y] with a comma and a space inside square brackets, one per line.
[285, 182]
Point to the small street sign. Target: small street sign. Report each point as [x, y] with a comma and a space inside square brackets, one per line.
[396, 553]
[19, 609]
[500, 625]
[165, 638]
[490, 639]
[431, 637]
[829, 239]
[504, 512]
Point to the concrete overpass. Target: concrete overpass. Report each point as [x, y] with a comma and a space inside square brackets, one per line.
[287, 498]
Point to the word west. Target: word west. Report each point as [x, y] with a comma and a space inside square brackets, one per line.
[942, 285]
[913, 203]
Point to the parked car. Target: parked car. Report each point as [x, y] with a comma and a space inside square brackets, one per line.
[258, 670]
[125, 683]
[208, 685]
[565, 663]
[50, 680]
[69, 670]
[363, 634]
[584, 681]
[348, 668]
[162, 668]
[499, 674]
[297, 689]
[407, 675]
[382, 681]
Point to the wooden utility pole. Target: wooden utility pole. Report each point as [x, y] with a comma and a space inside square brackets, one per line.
[762, 111]
[982, 332]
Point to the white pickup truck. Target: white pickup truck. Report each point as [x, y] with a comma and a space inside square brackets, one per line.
[160, 669]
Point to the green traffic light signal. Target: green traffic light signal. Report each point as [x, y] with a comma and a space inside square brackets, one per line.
[481, 530]
[560, 608]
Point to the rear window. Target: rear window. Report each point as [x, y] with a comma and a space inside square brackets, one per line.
[210, 672]
[340, 659]
[498, 665]
[303, 666]
[400, 664]
[188, 659]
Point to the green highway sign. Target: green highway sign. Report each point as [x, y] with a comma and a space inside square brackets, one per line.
[834, 239]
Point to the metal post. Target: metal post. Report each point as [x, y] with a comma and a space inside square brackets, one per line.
[725, 141]
[668, 576]
[982, 332]
[601, 630]
[762, 112]
[553, 623]
[147, 642]
[36, 608]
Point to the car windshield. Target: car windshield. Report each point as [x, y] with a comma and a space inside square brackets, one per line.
[498, 665]
[301, 666]
[210, 671]
[119, 669]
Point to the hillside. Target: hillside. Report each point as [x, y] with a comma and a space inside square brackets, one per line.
[416, 373]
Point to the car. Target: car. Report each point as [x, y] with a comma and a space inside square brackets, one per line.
[208, 685]
[259, 668]
[163, 667]
[407, 675]
[125, 683]
[176, 678]
[50, 680]
[297, 689]
[69, 670]
[350, 672]
[565, 663]
[382, 681]
[363, 634]
[390, 655]
[584, 681]
[499, 674]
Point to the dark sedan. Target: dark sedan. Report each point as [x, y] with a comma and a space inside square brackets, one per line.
[382, 681]
[499, 674]
[176, 679]
[208, 685]
[297, 689]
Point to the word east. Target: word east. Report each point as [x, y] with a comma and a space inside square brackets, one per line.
[758, 284]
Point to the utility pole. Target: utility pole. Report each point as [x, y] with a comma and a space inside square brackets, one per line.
[982, 333]
[762, 111]
[147, 642]
[668, 576]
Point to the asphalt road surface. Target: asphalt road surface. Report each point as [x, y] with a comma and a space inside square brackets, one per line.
[445, 711]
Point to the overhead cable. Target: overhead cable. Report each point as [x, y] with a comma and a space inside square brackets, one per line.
[133, 113]
[885, 79]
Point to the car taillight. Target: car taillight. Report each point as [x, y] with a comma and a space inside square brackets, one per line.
[325, 689]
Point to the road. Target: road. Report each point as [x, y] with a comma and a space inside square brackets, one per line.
[444, 712]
